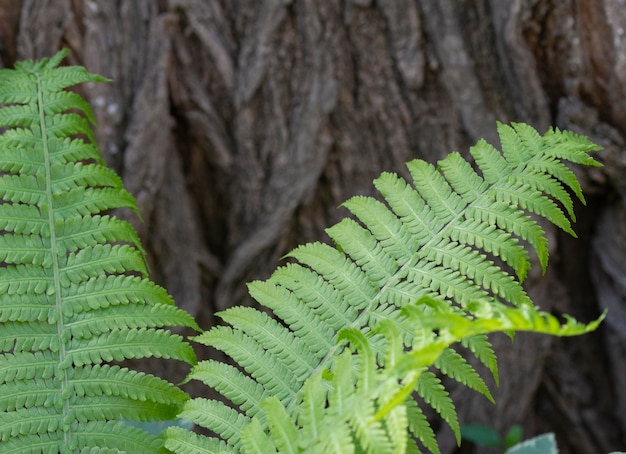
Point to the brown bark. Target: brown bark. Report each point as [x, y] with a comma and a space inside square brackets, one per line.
[241, 125]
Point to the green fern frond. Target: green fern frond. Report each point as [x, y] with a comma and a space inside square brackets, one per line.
[74, 293]
[98, 260]
[431, 241]
[420, 428]
[118, 381]
[315, 296]
[341, 414]
[68, 150]
[455, 366]
[284, 345]
[90, 201]
[93, 323]
[434, 393]
[254, 439]
[264, 367]
[358, 327]
[27, 366]
[95, 436]
[104, 291]
[79, 233]
[216, 416]
[304, 322]
[185, 442]
[22, 220]
[282, 429]
[121, 344]
[481, 348]
[78, 175]
[240, 389]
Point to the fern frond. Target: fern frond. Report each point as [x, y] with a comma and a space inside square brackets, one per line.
[75, 175]
[254, 440]
[480, 346]
[455, 366]
[303, 321]
[22, 220]
[313, 293]
[26, 366]
[93, 323]
[106, 380]
[282, 429]
[445, 326]
[114, 436]
[183, 441]
[434, 393]
[569, 146]
[420, 428]
[264, 367]
[432, 241]
[101, 259]
[39, 393]
[81, 232]
[90, 201]
[289, 349]
[240, 389]
[118, 345]
[216, 416]
[74, 293]
[358, 325]
[104, 291]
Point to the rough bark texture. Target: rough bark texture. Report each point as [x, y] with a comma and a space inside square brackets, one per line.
[240, 125]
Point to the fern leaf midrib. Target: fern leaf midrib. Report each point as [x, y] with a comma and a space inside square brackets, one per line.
[60, 322]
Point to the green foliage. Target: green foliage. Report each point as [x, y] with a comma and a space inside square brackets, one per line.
[487, 436]
[364, 327]
[359, 336]
[542, 444]
[481, 435]
[74, 293]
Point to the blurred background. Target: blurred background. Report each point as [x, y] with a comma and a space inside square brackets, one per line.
[241, 125]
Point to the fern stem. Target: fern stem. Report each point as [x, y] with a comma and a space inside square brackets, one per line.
[60, 322]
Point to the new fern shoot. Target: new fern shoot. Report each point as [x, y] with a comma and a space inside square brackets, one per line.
[75, 299]
[356, 330]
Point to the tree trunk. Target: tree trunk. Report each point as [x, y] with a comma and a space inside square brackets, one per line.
[241, 125]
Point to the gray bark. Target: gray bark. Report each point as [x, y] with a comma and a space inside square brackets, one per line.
[241, 125]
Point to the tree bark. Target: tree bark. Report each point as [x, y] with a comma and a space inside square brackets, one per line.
[241, 125]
